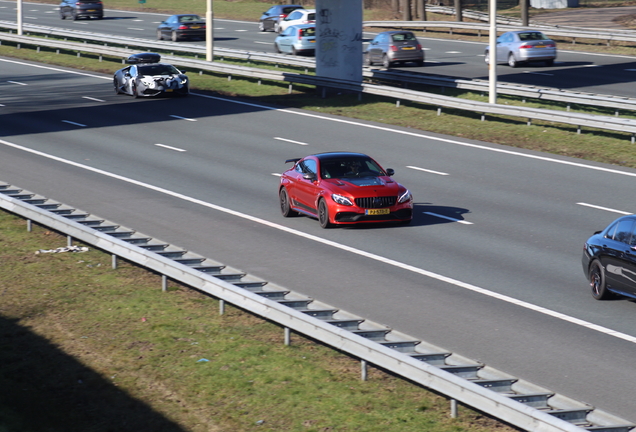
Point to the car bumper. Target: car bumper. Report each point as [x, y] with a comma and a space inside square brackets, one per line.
[537, 54]
[406, 56]
[191, 34]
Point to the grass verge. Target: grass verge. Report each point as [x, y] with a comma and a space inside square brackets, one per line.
[85, 347]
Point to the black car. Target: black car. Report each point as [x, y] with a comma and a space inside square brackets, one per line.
[146, 76]
[81, 9]
[270, 18]
[609, 259]
[178, 27]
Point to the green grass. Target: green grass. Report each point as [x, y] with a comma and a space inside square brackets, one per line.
[90, 348]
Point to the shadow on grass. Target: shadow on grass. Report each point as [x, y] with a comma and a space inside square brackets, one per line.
[44, 389]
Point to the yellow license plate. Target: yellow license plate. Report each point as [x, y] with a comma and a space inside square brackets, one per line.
[408, 48]
[539, 46]
[91, 10]
[374, 212]
[313, 41]
[195, 27]
[168, 90]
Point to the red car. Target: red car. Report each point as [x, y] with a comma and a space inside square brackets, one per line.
[342, 188]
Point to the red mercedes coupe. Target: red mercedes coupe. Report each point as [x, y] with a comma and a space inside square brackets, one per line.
[342, 188]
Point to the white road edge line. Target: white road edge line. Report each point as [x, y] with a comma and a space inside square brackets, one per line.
[17, 82]
[604, 208]
[291, 141]
[93, 99]
[355, 123]
[449, 218]
[427, 170]
[170, 147]
[340, 246]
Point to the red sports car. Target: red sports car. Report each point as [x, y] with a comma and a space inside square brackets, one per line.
[341, 188]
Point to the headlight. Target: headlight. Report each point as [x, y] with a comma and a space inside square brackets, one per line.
[148, 81]
[406, 196]
[341, 200]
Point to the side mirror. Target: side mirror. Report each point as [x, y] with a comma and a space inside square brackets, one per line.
[390, 171]
[309, 176]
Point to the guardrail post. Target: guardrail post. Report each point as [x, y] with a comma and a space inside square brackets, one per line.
[439, 111]
[113, 260]
[453, 408]
[363, 370]
[164, 283]
[29, 225]
[397, 103]
[483, 117]
[633, 138]
[69, 241]
[529, 122]
[289, 90]
[287, 336]
[221, 307]
[578, 130]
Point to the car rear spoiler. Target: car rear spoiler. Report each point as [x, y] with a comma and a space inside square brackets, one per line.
[293, 160]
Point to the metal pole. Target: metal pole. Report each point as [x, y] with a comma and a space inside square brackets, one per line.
[209, 33]
[20, 17]
[492, 53]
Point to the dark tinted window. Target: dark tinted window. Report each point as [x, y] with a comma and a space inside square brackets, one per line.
[159, 69]
[403, 37]
[623, 232]
[308, 32]
[288, 9]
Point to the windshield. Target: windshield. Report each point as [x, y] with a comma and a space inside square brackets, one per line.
[350, 167]
[158, 69]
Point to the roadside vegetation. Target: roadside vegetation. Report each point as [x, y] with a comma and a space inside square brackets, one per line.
[85, 347]
[89, 348]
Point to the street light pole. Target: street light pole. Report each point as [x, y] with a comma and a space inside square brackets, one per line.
[20, 17]
[492, 53]
[209, 33]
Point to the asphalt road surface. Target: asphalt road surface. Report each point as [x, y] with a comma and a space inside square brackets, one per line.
[489, 269]
[595, 73]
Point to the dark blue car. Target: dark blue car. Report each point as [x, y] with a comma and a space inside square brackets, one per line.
[609, 260]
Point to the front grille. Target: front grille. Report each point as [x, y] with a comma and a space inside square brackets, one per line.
[376, 202]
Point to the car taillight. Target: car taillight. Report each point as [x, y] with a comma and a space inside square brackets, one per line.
[393, 47]
[525, 46]
[183, 27]
[281, 16]
[550, 45]
[419, 47]
[300, 34]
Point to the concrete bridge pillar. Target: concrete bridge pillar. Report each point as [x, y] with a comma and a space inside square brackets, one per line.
[339, 38]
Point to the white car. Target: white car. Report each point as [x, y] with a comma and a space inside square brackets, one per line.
[299, 16]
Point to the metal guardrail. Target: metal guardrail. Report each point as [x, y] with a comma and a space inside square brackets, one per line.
[500, 395]
[543, 93]
[528, 114]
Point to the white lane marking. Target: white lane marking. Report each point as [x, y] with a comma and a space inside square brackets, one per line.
[241, 30]
[137, 29]
[461, 221]
[426, 170]
[2, 105]
[604, 208]
[30, 17]
[170, 147]
[592, 65]
[630, 70]
[93, 99]
[277, 174]
[331, 243]
[183, 118]
[291, 141]
[421, 135]
[264, 43]
[453, 52]
[17, 82]
[73, 123]
[386, 129]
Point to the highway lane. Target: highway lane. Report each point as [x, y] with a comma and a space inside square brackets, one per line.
[524, 241]
[596, 73]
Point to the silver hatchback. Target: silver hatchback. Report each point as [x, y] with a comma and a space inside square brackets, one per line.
[393, 47]
[524, 46]
[297, 39]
